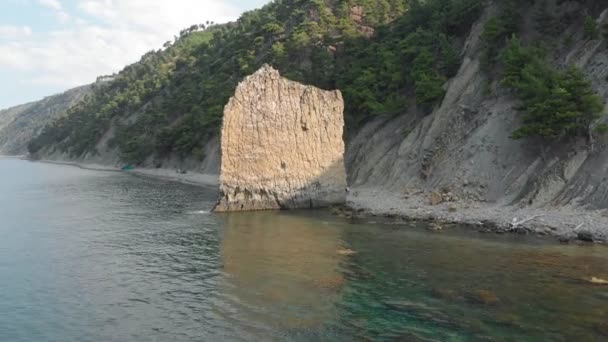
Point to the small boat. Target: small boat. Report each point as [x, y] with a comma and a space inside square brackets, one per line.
[128, 167]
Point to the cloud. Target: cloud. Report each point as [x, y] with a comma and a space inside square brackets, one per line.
[14, 32]
[158, 16]
[99, 37]
[53, 4]
[71, 57]
[61, 15]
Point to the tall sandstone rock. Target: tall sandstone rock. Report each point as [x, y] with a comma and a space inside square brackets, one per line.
[282, 146]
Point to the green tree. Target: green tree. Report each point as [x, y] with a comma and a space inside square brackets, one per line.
[555, 105]
[591, 28]
[497, 30]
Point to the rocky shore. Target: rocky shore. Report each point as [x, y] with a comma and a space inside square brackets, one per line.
[568, 224]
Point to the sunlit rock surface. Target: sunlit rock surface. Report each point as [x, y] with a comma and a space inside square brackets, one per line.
[282, 146]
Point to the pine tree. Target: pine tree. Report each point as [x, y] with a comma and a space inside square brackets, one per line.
[591, 28]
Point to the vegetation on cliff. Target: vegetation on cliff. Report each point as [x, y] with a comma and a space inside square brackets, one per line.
[385, 55]
[555, 104]
[380, 53]
[19, 125]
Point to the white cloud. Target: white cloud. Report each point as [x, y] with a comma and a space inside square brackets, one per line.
[58, 11]
[14, 32]
[62, 16]
[102, 37]
[53, 4]
[158, 16]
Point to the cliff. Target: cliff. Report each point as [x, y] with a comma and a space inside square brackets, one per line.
[464, 151]
[20, 124]
[282, 146]
[466, 144]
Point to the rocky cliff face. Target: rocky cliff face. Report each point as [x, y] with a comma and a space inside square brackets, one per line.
[464, 145]
[282, 146]
[18, 125]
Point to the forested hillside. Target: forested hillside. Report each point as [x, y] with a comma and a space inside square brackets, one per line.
[20, 124]
[385, 55]
[388, 57]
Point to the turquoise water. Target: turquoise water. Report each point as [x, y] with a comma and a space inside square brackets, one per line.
[93, 256]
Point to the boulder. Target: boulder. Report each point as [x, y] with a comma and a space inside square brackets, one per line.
[483, 297]
[435, 198]
[435, 226]
[442, 293]
[585, 235]
[282, 146]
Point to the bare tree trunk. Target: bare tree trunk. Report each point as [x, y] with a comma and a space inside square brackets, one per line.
[516, 224]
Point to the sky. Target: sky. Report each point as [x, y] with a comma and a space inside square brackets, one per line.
[49, 46]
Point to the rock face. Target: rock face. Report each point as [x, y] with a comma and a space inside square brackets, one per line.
[465, 144]
[282, 146]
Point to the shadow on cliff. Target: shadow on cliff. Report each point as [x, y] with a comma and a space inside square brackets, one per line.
[327, 188]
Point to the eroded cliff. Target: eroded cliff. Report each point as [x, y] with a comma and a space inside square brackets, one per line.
[465, 144]
[464, 149]
[282, 146]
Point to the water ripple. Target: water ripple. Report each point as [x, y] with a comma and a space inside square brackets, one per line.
[91, 256]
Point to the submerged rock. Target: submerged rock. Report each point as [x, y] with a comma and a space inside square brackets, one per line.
[441, 293]
[508, 319]
[602, 328]
[597, 281]
[435, 227]
[484, 297]
[346, 252]
[331, 283]
[282, 146]
[406, 305]
[410, 336]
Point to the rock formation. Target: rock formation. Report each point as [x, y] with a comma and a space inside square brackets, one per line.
[282, 146]
[465, 144]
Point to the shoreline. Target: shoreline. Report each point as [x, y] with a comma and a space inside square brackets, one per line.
[190, 178]
[567, 224]
[564, 223]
